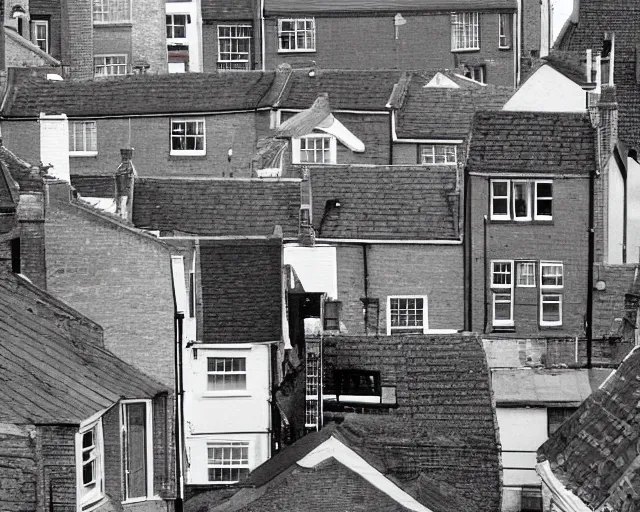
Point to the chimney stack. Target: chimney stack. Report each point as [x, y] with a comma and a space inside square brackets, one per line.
[125, 180]
[54, 145]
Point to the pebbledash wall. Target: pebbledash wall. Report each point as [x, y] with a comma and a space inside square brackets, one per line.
[367, 41]
[435, 271]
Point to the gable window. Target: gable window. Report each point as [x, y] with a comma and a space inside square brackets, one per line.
[526, 274]
[109, 65]
[297, 35]
[438, 154]
[188, 137]
[111, 11]
[551, 285]
[228, 462]
[314, 149]
[504, 31]
[407, 314]
[465, 31]
[91, 449]
[522, 200]
[234, 47]
[83, 139]
[502, 290]
[361, 386]
[176, 26]
[137, 446]
[226, 373]
[40, 34]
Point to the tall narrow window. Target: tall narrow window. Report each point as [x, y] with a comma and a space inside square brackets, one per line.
[504, 31]
[543, 200]
[228, 462]
[92, 461]
[408, 313]
[176, 26]
[234, 47]
[83, 139]
[502, 291]
[40, 34]
[137, 454]
[465, 31]
[521, 201]
[551, 285]
[500, 200]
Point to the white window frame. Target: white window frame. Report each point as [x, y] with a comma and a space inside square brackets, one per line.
[88, 500]
[228, 64]
[226, 392]
[536, 215]
[228, 444]
[72, 136]
[496, 216]
[148, 449]
[527, 187]
[502, 289]
[561, 275]
[433, 154]
[34, 33]
[295, 21]
[527, 284]
[505, 31]
[173, 24]
[104, 10]
[188, 152]
[110, 66]
[547, 323]
[296, 148]
[461, 22]
[425, 315]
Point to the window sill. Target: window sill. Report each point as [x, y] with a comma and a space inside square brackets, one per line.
[498, 220]
[226, 394]
[106, 24]
[74, 154]
[463, 50]
[503, 328]
[450, 164]
[140, 500]
[504, 48]
[94, 504]
[550, 326]
[198, 152]
[296, 51]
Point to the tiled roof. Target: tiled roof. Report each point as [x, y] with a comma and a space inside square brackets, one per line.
[540, 142]
[241, 290]
[50, 371]
[443, 113]
[340, 6]
[596, 449]
[385, 202]
[217, 207]
[29, 94]
[596, 17]
[347, 89]
[94, 186]
[227, 10]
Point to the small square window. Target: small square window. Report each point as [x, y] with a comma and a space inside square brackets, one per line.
[526, 274]
[551, 274]
[83, 138]
[111, 11]
[188, 137]
[501, 274]
[543, 200]
[176, 26]
[314, 149]
[226, 373]
[550, 309]
[407, 314]
[297, 35]
[438, 154]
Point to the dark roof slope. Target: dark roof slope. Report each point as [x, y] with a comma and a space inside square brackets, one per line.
[241, 290]
[50, 372]
[217, 207]
[342, 6]
[227, 10]
[29, 94]
[385, 202]
[94, 186]
[540, 142]
[434, 112]
[596, 448]
[347, 89]
[570, 64]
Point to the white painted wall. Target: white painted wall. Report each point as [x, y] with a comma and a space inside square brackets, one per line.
[194, 32]
[615, 214]
[316, 267]
[547, 90]
[54, 144]
[633, 211]
[228, 416]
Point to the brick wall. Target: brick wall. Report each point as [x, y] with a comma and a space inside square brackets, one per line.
[368, 42]
[23, 138]
[565, 239]
[530, 26]
[117, 278]
[398, 269]
[18, 470]
[49, 9]
[148, 34]
[113, 40]
[77, 38]
[55, 447]
[17, 55]
[32, 252]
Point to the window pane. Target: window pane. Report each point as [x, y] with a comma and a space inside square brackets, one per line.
[500, 189]
[521, 200]
[545, 189]
[500, 207]
[544, 207]
[88, 472]
[551, 308]
[136, 450]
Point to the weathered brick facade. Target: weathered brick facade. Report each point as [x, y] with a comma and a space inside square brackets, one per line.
[49, 10]
[76, 38]
[148, 34]
[18, 472]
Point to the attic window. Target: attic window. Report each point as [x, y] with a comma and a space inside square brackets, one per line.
[358, 386]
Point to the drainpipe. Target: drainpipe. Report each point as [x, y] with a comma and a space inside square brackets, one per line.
[366, 288]
[179, 318]
[263, 48]
[589, 319]
[484, 260]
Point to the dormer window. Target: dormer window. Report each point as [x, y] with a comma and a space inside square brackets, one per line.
[315, 148]
[357, 386]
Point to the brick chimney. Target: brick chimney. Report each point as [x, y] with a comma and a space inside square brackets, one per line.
[76, 38]
[54, 145]
[125, 180]
[306, 233]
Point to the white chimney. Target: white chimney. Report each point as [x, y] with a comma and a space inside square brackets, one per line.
[54, 144]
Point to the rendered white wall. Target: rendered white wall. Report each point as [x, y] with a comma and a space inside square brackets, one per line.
[633, 211]
[547, 90]
[316, 268]
[615, 228]
[54, 144]
[194, 32]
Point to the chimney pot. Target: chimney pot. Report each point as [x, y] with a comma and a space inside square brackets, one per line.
[126, 154]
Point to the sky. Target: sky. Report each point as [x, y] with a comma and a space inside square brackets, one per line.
[561, 11]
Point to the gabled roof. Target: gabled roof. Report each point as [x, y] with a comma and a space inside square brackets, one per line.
[217, 207]
[532, 142]
[273, 7]
[51, 368]
[594, 453]
[13, 38]
[227, 10]
[444, 113]
[29, 94]
[367, 90]
[413, 202]
[571, 64]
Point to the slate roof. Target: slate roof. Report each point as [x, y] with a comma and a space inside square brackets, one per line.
[443, 113]
[385, 202]
[227, 10]
[595, 17]
[596, 448]
[217, 207]
[347, 89]
[28, 94]
[540, 142]
[241, 290]
[345, 6]
[50, 372]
